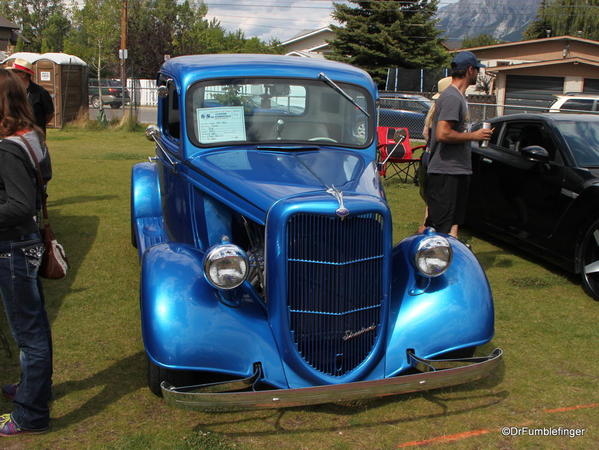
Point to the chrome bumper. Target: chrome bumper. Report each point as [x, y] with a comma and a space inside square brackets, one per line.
[436, 374]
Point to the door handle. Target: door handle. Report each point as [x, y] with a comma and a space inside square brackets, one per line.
[487, 160]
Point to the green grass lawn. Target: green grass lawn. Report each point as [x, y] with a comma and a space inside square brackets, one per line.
[545, 323]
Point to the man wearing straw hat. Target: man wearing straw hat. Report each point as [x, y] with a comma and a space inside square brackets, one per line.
[39, 98]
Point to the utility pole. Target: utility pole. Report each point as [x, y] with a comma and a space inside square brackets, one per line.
[123, 50]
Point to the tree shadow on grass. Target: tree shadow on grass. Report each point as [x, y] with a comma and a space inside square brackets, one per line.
[76, 234]
[116, 382]
[79, 199]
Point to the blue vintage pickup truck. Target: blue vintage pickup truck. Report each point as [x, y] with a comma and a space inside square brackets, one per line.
[268, 272]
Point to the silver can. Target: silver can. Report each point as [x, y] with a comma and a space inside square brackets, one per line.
[486, 126]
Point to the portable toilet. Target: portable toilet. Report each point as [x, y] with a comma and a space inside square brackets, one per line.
[64, 77]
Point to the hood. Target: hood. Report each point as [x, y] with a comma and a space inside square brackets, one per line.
[263, 177]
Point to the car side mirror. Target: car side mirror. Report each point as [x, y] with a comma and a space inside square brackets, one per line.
[535, 153]
[399, 135]
[152, 132]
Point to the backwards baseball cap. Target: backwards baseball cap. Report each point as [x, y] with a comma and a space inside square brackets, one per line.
[463, 60]
[23, 65]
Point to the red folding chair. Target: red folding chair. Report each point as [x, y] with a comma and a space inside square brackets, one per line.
[397, 157]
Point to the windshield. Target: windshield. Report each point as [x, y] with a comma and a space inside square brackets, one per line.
[277, 111]
[583, 139]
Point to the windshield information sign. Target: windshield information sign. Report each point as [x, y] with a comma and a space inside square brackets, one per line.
[223, 124]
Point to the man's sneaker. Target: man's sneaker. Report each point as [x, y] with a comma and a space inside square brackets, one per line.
[10, 391]
[9, 428]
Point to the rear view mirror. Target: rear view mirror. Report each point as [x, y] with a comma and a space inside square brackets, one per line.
[279, 90]
[535, 153]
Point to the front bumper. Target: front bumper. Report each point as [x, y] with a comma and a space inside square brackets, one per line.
[230, 395]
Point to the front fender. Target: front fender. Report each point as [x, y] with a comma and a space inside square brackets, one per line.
[147, 225]
[145, 191]
[186, 324]
[454, 311]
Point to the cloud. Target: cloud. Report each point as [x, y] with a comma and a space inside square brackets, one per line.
[280, 19]
[271, 19]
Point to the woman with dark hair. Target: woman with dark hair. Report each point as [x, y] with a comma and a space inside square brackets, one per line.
[21, 249]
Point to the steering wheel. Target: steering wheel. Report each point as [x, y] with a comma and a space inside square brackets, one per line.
[323, 138]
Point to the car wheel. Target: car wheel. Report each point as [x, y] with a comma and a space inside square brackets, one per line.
[157, 374]
[115, 105]
[133, 238]
[95, 101]
[589, 257]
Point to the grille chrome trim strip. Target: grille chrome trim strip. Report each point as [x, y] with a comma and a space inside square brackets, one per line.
[354, 261]
[301, 311]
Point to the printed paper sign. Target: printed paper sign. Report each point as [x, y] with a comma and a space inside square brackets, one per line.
[224, 124]
[45, 76]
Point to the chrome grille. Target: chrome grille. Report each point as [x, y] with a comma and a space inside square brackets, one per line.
[334, 288]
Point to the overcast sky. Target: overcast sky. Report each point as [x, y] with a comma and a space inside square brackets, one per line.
[281, 19]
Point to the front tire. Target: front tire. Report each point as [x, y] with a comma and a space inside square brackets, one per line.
[589, 258]
[95, 102]
[157, 374]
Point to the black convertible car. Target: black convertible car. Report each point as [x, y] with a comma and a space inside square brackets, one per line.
[537, 185]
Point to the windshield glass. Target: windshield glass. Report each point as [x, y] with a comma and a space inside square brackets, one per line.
[583, 139]
[276, 111]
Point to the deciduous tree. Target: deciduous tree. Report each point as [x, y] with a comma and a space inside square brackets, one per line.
[480, 41]
[565, 17]
[40, 20]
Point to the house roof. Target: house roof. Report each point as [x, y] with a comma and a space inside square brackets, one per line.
[553, 62]
[530, 42]
[306, 34]
[5, 23]
[304, 54]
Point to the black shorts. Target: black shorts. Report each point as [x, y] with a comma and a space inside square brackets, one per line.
[447, 199]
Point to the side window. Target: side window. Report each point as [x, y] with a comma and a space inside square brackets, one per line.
[520, 135]
[578, 104]
[496, 131]
[171, 117]
[511, 137]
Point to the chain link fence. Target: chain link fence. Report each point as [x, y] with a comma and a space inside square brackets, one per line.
[401, 111]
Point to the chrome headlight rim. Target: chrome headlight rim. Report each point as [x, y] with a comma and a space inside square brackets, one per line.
[427, 244]
[220, 252]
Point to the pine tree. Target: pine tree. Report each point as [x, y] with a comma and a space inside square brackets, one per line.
[377, 35]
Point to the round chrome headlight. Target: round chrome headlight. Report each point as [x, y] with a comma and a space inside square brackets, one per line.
[226, 266]
[433, 256]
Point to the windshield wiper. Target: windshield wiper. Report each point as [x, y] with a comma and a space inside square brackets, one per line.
[331, 83]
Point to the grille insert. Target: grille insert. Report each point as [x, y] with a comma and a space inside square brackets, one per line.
[334, 288]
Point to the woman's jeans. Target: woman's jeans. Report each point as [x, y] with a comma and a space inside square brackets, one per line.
[24, 305]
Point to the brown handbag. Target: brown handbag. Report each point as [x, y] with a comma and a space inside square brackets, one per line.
[54, 260]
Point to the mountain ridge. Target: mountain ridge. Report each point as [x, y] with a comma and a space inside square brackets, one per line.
[505, 20]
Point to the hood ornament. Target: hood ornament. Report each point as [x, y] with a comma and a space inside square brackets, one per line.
[342, 211]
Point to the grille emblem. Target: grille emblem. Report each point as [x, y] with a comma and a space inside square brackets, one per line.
[342, 211]
[354, 334]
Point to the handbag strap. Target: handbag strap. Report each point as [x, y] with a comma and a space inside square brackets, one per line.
[38, 173]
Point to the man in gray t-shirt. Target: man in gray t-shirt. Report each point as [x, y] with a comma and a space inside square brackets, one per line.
[450, 166]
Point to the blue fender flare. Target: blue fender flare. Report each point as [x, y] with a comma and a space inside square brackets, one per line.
[145, 191]
[187, 325]
[454, 311]
[147, 225]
